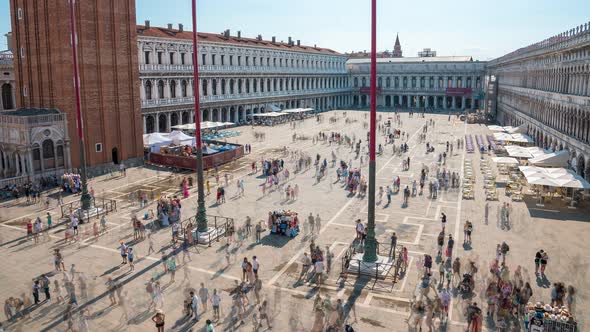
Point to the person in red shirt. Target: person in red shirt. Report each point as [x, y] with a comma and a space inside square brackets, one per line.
[29, 229]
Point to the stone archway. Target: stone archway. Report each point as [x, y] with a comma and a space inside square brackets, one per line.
[185, 117]
[150, 124]
[581, 167]
[241, 115]
[206, 115]
[162, 123]
[173, 120]
[224, 115]
[215, 115]
[232, 115]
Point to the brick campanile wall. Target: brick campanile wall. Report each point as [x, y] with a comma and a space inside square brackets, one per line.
[109, 77]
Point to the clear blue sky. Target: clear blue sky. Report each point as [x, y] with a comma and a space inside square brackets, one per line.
[483, 29]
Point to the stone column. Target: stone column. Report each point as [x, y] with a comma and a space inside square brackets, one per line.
[168, 121]
[418, 101]
[42, 161]
[144, 125]
[30, 161]
[444, 102]
[142, 90]
[54, 155]
[463, 102]
[157, 122]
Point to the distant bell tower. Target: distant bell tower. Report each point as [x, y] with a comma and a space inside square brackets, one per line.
[397, 48]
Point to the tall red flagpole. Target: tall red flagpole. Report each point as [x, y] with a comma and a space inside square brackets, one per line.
[370, 254]
[201, 211]
[85, 197]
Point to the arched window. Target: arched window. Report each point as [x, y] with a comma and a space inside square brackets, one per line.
[268, 85]
[7, 101]
[356, 82]
[396, 83]
[254, 84]
[280, 84]
[274, 84]
[204, 87]
[160, 89]
[388, 82]
[183, 85]
[214, 86]
[47, 147]
[261, 85]
[231, 86]
[380, 82]
[222, 86]
[292, 82]
[148, 90]
[240, 85]
[247, 86]
[172, 89]
[364, 82]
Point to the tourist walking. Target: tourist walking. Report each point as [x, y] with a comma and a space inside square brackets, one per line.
[204, 296]
[158, 319]
[195, 305]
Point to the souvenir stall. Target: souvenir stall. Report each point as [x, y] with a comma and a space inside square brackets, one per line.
[272, 167]
[283, 223]
[71, 182]
[550, 318]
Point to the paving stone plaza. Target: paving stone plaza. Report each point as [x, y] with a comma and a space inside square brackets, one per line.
[560, 231]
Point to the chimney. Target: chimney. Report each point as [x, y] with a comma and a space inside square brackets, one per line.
[290, 41]
[169, 26]
[180, 27]
[298, 42]
[274, 39]
[259, 38]
[226, 33]
[9, 40]
[147, 24]
[239, 34]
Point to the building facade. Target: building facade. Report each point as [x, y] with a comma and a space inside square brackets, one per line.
[237, 76]
[109, 78]
[547, 86]
[425, 82]
[7, 82]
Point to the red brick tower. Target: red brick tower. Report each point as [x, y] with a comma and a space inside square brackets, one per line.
[109, 78]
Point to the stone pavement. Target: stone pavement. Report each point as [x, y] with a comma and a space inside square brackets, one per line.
[417, 226]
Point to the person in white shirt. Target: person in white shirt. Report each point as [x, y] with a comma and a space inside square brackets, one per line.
[319, 270]
[255, 266]
[195, 305]
[359, 229]
[306, 263]
[215, 302]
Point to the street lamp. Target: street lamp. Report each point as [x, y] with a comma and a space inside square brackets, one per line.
[370, 255]
[201, 211]
[85, 198]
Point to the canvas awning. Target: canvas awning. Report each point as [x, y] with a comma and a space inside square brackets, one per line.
[505, 160]
[204, 125]
[554, 159]
[524, 152]
[178, 137]
[518, 138]
[156, 139]
[268, 115]
[554, 177]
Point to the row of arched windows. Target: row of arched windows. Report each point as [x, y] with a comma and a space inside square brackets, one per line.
[421, 82]
[247, 85]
